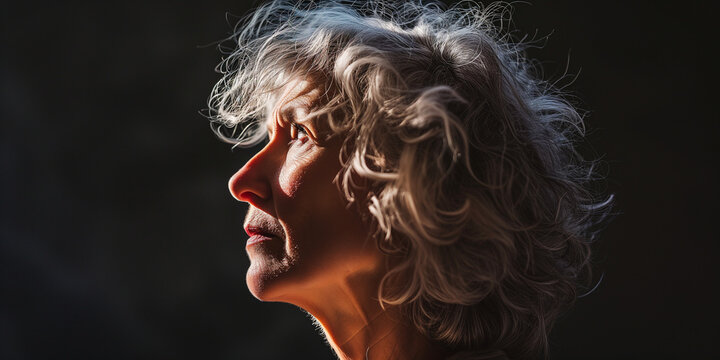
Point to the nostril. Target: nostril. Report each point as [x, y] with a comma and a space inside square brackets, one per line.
[249, 197]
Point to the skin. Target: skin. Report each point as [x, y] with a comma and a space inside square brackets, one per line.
[320, 256]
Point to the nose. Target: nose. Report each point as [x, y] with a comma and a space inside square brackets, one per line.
[251, 183]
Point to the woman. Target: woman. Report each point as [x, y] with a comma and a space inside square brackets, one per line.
[419, 193]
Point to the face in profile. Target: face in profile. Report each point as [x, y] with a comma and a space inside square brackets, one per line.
[303, 234]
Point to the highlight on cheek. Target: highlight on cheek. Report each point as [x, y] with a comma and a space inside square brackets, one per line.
[290, 176]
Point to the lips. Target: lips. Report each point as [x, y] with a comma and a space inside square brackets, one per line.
[262, 227]
[256, 239]
[258, 234]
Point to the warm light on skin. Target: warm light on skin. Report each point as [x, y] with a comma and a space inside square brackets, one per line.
[325, 261]
[291, 182]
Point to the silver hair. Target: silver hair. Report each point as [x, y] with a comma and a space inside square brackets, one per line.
[464, 160]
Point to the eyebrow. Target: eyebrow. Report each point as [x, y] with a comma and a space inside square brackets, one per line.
[289, 115]
[292, 104]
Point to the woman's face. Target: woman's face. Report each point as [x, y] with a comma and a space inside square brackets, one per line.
[303, 236]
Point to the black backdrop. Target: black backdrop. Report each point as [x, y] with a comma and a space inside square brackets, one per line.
[120, 240]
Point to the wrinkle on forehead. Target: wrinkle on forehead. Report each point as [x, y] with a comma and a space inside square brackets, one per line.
[294, 99]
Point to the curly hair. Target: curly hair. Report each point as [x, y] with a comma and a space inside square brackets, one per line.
[466, 158]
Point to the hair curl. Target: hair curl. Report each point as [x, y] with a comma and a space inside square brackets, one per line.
[470, 169]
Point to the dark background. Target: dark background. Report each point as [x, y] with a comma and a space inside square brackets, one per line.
[120, 240]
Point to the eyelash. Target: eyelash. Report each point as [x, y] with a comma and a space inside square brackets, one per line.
[298, 129]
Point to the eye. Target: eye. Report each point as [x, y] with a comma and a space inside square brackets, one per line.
[299, 132]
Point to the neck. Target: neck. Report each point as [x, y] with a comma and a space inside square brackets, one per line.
[357, 327]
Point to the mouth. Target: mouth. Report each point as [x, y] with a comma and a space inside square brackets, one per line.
[258, 235]
[261, 227]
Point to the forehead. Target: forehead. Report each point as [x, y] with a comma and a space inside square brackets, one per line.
[291, 101]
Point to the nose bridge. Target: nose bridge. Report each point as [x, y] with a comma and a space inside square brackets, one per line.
[252, 182]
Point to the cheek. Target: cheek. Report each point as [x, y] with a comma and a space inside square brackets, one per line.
[304, 173]
[290, 178]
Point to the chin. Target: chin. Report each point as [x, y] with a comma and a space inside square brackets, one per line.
[266, 279]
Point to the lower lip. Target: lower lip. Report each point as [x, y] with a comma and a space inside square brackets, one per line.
[256, 239]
